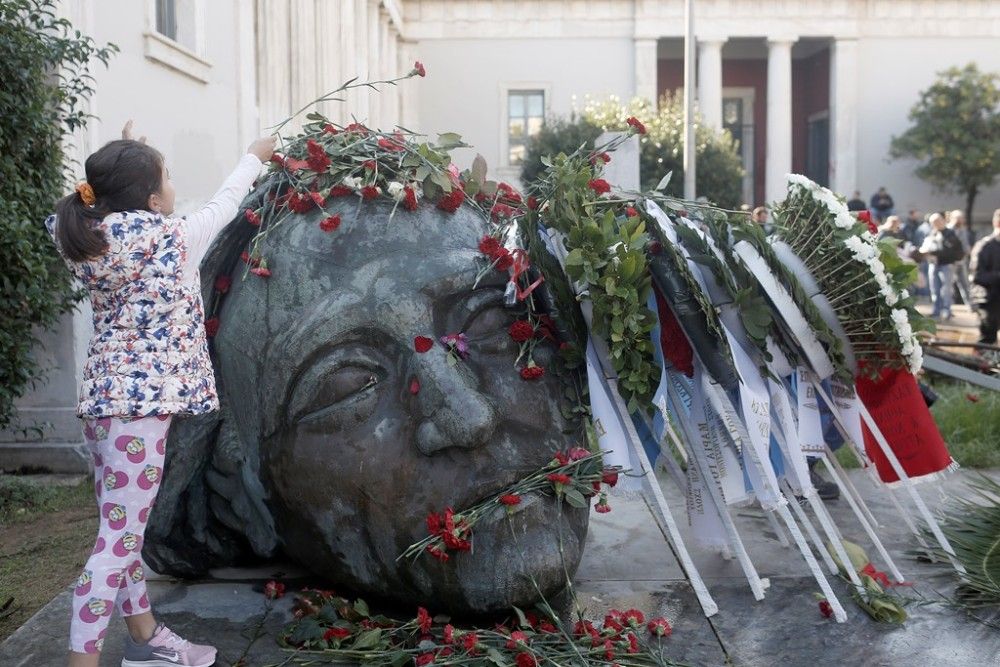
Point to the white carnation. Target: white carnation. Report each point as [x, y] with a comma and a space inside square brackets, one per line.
[395, 190]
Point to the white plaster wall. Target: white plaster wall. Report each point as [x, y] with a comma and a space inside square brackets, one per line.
[465, 78]
[197, 125]
[893, 72]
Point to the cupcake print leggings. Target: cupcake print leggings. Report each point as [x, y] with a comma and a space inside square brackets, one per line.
[128, 464]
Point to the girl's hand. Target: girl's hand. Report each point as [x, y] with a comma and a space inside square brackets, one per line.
[263, 148]
[127, 133]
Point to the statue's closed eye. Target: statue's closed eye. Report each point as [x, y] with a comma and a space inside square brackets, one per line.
[347, 377]
[487, 321]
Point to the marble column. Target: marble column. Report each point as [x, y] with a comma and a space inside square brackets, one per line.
[272, 62]
[409, 91]
[302, 44]
[645, 69]
[844, 83]
[779, 116]
[372, 56]
[710, 82]
[328, 55]
[392, 62]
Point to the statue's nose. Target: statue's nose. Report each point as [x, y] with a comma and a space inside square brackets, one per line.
[454, 412]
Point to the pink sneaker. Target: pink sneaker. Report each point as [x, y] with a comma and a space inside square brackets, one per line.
[166, 649]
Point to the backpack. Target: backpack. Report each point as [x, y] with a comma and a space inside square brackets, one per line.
[951, 248]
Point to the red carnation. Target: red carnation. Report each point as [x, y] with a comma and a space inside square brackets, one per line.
[422, 344]
[521, 331]
[438, 553]
[317, 198]
[357, 127]
[336, 633]
[517, 638]
[409, 199]
[340, 191]
[866, 217]
[501, 210]
[825, 608]
[424, 620]
[505, 261]
[223, 283]
[261, 271]
[490, 247]
[318, 160]
[393, 145]
[559, 478]
[212, 327]
[330, 129]
[612, 621]
[533, 203]
[599, 186]
[247, 259]
[631, 212]
[418, 69]
[602, 157]
[972, 398]
[330, 223]
[878, 576]
[602, 507]
[424, 659]
[300, 203]
[532, 372]
[637, 124]
[370, 165]
[510, 499]
[274, 590]
[451, 201]
[633, 643]
[252, 217]
[609, 476]
[634, 617]
[655, 247]
[369, 192]
[414, 386]
[525, 660]
[659, 627]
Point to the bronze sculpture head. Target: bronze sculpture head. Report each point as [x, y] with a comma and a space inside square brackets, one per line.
[337, 438]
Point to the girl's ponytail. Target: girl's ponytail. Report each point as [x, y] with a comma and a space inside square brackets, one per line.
[120, 177]
[77, 237]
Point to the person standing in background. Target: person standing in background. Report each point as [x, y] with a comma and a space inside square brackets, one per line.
[760, 217]
[856, 203]
[985, 267]
[890, 229]
[942, 248]
[910, 227]
[956, 223]
[881, 204]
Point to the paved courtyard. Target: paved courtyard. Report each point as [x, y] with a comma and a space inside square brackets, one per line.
[628, 564]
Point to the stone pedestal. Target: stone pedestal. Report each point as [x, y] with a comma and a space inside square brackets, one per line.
[623, 170]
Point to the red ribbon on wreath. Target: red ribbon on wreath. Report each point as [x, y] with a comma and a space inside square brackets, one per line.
[520, 265]
[900, 412]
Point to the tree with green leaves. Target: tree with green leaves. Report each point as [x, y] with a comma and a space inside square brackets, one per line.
[720, 167]
[955, 133]
[43, 66]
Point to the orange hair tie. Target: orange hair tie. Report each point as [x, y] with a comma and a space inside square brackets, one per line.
[86, 193]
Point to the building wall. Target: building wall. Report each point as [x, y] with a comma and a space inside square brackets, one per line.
[194, 103]
[466, 80]
[892, 72]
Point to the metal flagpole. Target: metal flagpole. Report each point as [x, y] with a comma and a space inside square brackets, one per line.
[689, 145]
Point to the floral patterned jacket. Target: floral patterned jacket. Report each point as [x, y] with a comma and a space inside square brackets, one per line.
[149, 352]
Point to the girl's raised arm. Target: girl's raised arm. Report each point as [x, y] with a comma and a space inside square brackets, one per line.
[204, 225]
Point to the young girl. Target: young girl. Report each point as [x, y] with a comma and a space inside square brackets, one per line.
[148, 360]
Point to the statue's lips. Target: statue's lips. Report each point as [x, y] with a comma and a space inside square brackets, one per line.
[536, 502]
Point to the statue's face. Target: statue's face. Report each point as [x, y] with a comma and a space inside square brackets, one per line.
[361, 436]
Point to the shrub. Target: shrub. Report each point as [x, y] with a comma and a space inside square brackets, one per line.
[43, 66]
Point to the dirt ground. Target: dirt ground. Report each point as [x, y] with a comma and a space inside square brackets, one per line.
[43, 547]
